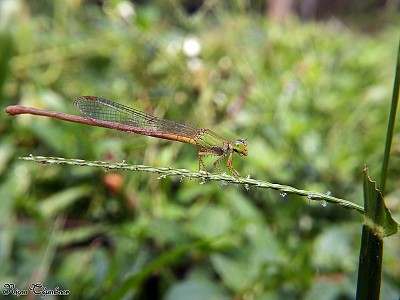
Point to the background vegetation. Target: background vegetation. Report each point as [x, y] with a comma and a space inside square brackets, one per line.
[311, 98]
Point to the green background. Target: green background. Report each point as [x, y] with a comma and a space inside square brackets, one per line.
[312, 99]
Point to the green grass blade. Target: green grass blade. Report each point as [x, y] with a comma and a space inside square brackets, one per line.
[392, 119]
[378, 221]
[378, 224]
[247, 182]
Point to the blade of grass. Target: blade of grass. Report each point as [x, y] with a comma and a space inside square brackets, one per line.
[392, 120]
[378, 222]
[247, 182]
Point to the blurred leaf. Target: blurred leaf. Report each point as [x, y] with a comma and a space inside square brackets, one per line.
[82, 269]
[210, 222]
[331, 287]
[59, 202]
[6, 152]
[133, 281]
[78, 234]
[166, 231]
[196, 290]
[333, 250]
[235, 272]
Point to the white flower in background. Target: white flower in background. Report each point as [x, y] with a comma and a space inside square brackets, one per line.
[191, 46]
[126, 10]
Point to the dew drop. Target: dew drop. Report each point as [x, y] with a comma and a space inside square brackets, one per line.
[329, 193]
[282, 194]
[324, 203]
[180, 178]
[247, 187]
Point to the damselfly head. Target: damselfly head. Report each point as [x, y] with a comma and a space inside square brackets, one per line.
[240, 146]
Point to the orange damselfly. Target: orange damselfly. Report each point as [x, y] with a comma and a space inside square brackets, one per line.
[105, 113]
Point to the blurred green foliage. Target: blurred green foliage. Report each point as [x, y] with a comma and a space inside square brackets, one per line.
[312, 100]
